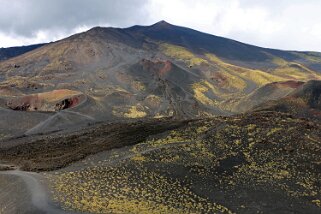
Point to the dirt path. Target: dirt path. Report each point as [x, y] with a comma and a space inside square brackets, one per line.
[38, 193]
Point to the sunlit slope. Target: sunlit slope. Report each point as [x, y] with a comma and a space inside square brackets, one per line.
[223, 84]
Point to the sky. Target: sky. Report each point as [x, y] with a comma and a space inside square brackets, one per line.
[280, 24]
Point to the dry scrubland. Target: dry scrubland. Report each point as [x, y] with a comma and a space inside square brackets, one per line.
[221, 165]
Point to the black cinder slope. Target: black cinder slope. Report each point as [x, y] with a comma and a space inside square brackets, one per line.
[231, 50]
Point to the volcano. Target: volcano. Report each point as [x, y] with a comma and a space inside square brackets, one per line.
[159, 119]
[153, 71]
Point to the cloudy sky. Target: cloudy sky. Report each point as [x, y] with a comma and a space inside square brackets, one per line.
[282, 24]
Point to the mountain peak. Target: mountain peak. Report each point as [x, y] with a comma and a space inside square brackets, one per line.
[162, 23]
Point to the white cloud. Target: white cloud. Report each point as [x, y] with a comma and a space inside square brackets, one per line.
[34, 21]
[286, 24]
[283, 24]
[41, 36]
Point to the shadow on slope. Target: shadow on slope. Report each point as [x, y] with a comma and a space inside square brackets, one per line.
[305, 102]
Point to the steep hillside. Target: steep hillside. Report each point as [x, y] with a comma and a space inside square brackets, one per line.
[305, 102]
[139, 72]
[267, 94]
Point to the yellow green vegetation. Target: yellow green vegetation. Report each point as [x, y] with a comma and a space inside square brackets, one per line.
[273, 130]
[264, 165]
[232, 79]
[172, 137]
[296, 71]
[205, 114]
[215, 59]
[181, 53]
[23, 82]
[257, 76]
[200, 89]
[211, 95]
[138, 157]
[139, 86]
[4, 135]
[158, 116]
[126, 190]
[129, 112]
[201, 129]
[210, 86]
[310, 56]
[279, 61]
[260, 77]
[317, 202]
[153, 100]
[135, 112]
[293, 70]
[181, 171]
[119, 89]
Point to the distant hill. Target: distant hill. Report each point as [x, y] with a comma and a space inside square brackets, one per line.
[7, 53]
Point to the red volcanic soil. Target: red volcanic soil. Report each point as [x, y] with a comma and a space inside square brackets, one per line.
[69, 102]
[219, 79]
[289, 84]
[159, 66]
[9, 91]
[48, 101]
[167, 67]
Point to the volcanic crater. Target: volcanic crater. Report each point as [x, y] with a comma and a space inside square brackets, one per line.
[51, 101]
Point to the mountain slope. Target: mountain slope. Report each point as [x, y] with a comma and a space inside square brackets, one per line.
[230, 50]
[157, 71]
